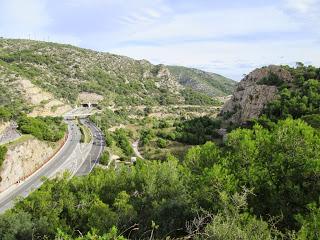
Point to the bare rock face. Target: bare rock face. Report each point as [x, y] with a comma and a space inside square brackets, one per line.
[86, 97]
[166, 80]
[252, 94]
[23, 159]
[163, 72]
[44, 102]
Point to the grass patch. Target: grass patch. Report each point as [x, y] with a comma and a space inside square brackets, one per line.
[23, 138]
[3, 152]
[86, 136]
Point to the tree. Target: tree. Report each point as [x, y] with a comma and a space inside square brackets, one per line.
[200, 157]
[310, 229]
[16, 225]
[282, 165]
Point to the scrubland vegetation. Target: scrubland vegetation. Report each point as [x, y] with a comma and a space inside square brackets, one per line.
[261, 182]
[65, 71]
[44, 128]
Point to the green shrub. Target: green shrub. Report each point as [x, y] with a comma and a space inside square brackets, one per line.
[104, 159]
[162, 143]
[108, 139]
[196, 98]
[146, 136]
[272, 80]
[122, 141]
[5, 114]
[44, 128]
[3, 152]
[313, 120]
[197, 130]
[300, 98]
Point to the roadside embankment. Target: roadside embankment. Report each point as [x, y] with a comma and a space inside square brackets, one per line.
[24, 158]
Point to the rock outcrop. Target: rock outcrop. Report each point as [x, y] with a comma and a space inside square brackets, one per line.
[51, 76]
[23, 159]
[166, 79]
[44, 102]
[253, 93]
[86, 97]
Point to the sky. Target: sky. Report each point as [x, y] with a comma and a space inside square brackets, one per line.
[226, 37]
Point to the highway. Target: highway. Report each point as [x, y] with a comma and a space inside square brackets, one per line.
[51, 168]
[96, 150]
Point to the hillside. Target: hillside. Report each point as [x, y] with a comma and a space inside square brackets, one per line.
[210, 83]
[260, 182]
[64, 71]
[276, 92]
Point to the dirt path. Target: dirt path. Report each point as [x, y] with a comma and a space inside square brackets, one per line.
[136, 149]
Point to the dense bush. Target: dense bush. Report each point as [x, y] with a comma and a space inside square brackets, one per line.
[108, 138]
[44, 128]
[105, 158]
[313, 120]
[146, 135]
[301, 98]
[272, 79]
[196, 98]
[121, 138]
[149, 192]
[282, 165]
[197, 130]
[162, 143]
[5, 114]
[263, 184]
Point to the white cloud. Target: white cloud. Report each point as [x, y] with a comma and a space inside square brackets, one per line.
[232, 59]
[145, 13]
[219, 23]
[197, 40]
[223, 40]
[302, 6]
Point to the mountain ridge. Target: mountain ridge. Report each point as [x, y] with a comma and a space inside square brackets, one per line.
[65, 71]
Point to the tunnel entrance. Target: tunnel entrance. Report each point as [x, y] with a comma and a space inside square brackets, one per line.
[86, 105]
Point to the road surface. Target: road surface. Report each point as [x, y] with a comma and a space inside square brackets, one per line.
[56, 164]
[96, 150]
[10, 133]
[81, 112]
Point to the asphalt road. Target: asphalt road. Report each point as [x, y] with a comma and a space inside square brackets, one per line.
[96, 150]
[56, 164]
[48, 170]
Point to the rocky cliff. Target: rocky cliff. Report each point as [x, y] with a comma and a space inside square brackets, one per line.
[253, 92]
[22, 159]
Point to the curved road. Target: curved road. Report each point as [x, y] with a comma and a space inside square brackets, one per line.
[57, 162]
[96, 150]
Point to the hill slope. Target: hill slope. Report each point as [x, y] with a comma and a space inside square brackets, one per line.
[64, 71]
[210, 83]
[277, 92]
